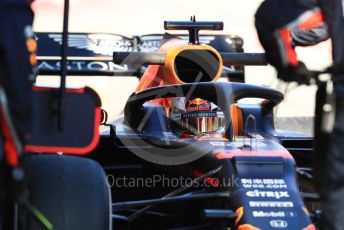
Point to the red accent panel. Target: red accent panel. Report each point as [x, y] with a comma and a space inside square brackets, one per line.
[210, 180]
[247, 227]
[224, 154]
[71, 150]
[11, 152]
[287, 43]
[310, 227]
[153, 76]
[315, 20]
[49, 89]
[186, 135]
[240, 213]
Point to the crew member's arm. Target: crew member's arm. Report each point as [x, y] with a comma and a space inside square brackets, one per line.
[282, 25]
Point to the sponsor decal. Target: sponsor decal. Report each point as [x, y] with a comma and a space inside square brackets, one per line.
[175, 116]
[263, 214]
[104, 44]
[273, 214]
[271, 204]
[169, 135]
[268, 194]
[278, 223]
[264, 183]
[202, 107]
[197, 101]
[82, 65]
[235, 144]
[198, 114]
[150, 43]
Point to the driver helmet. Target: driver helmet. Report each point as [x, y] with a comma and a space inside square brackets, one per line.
[196, 116]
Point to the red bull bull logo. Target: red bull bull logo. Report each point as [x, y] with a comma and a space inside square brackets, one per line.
[197, 101]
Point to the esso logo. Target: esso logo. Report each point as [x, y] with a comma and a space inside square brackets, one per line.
[278, 223]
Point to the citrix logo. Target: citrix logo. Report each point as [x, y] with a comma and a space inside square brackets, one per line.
[270, 194]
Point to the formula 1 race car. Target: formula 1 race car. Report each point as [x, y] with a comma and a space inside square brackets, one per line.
[186, 154]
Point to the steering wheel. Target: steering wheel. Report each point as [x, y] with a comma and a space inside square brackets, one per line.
[223, 94]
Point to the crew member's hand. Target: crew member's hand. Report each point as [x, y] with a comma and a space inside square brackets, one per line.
[336, 68]
[298, 73]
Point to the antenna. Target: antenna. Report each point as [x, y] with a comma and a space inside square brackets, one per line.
[193, 27]
[193, 32]
[64, 47]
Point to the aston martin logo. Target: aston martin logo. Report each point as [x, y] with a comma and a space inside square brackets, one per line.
[151, 43]
[106, 44]
[103, 44]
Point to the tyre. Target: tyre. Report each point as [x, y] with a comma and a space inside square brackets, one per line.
[71, 192]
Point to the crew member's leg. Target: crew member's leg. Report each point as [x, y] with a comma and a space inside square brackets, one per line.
[17, 57]
[17, 51]
[330, 178]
